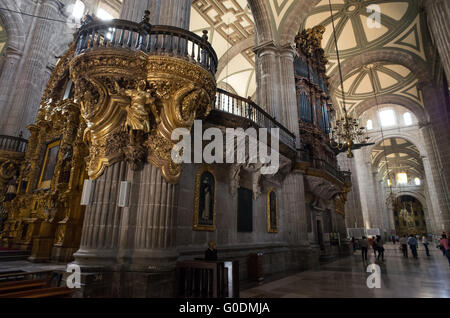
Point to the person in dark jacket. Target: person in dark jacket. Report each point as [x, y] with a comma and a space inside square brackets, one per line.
[211, 252]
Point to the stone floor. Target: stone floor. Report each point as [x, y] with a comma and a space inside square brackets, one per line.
[425, 277]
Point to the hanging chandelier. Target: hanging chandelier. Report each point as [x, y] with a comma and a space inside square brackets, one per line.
[346, 133]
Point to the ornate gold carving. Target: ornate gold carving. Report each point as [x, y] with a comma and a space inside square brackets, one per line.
[146, 96]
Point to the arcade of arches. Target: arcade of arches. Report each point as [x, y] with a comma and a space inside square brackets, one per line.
[91, 91]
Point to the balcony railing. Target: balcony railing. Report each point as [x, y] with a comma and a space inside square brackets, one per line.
[243, 107]
[320, 164]
[10, 143]
[151, 39]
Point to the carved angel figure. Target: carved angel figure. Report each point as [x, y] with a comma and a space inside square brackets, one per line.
[137, 111]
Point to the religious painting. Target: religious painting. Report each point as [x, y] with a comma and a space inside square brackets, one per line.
[272, 212]
[245, 210]
[205, 200]
[48, 165]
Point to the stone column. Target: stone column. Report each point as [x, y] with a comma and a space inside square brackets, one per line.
[102, 220]
[438, 17]
[289, 109]
[353, 210]
[31, 77]
[163, 12]
[7, 82]
[269, 94]
[437, 184]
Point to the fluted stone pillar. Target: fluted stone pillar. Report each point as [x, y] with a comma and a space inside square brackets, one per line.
[289, 108]
[100, 240]
[353, 211]
[31, 77]
[438, 18]
[438, 186]
[268, 79]
[7, 81]
[163, 12]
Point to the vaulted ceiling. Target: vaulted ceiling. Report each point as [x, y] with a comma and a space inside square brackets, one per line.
[397, 155]
[231, 32]
[401, 29]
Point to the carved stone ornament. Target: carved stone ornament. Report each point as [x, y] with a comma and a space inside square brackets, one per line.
[132, 102]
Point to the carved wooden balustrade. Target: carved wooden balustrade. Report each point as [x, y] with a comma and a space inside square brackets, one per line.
[151, 39]
[245, 107]
[15, 144]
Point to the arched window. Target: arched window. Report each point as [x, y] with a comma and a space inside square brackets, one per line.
[417, 181]
[407, 118]
[305, 108]
[369, 124]
[387, 118]
[78, 10]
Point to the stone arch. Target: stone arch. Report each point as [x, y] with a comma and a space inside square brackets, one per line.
[416, 65]
[376, 139]
[13, 24]
[294, 19]
[419, 196]
[380, 156]
[263, 26]
[233, 52]
[417, 109]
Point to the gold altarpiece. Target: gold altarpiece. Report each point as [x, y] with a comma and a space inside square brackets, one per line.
[46, 216]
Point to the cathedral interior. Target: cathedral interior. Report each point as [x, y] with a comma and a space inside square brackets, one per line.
[353, 96]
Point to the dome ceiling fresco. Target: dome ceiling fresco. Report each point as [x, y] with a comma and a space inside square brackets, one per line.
[384, 78]
[401, 155]
[400, 29]
[229, 23]
[3, 38]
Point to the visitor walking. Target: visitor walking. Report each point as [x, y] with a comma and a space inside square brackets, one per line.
[373, 245]
[393, 239]
[380, 248]
[425, 244]
[444, 245]
[412, 242]
[404, 243]
[364, 245]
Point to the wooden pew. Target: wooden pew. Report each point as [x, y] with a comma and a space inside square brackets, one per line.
[55, 292]
[23, 285]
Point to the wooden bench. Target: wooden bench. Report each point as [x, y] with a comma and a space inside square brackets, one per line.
[24, 285]
[55, 292]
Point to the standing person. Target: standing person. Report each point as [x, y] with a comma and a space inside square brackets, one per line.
[211, 252]
[380, 248]
[373, 245]
[354, 243]
[393, 239]
[425, 244]
[364, 245]
[404, 243]
[412, 242]
[444, 244]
